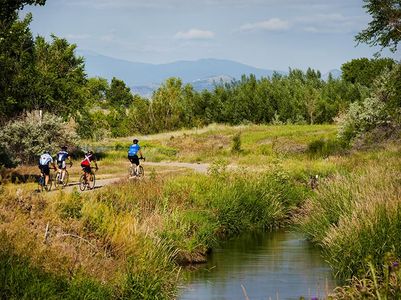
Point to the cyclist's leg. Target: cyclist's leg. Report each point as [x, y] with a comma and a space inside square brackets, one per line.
[84, 172]
[42, 176]
[62, 171]
[130, 158]
[46, 171]
[88, 172]
[136, 162]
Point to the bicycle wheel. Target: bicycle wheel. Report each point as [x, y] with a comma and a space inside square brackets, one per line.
[141, 172]
[131, 171]
[91, 181]
[41, 183]
[82, 182]
[48, 187]
[57, 180]
[66, 178]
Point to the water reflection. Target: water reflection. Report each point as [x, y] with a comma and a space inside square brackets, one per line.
[279, 265]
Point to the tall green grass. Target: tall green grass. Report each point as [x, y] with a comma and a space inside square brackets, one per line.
[357, 218]
[132, 236]
[19, 279]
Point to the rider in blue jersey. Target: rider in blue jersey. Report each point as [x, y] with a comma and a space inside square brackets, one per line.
[133, 151]
[62, 156]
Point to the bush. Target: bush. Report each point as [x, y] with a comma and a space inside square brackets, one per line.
[25, 139]
[236, 147]
[363, 117]
[381, 109]
[326, 147]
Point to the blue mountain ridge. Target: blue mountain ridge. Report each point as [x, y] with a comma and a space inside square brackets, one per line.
[144, 78]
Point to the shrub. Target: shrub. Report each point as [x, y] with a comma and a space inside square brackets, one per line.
[326, 147]
[381, 109]
[26, 138]
[236, 147]
[363, 117]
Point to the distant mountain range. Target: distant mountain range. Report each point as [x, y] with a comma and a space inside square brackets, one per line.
[144, 78]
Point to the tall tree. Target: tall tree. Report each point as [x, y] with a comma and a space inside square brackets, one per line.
[385, 28]
[364, 70]
[119, 95]
[16, 67]
[60, 78]
[9, 9]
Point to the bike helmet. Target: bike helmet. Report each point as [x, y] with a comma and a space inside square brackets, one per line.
[64, 148]
[135, 141]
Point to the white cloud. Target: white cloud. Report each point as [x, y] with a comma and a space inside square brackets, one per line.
[194, 34]
[274, 24]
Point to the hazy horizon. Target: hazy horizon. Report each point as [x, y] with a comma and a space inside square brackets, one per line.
[266, 34]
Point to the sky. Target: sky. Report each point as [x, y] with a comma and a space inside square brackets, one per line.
[269, 34]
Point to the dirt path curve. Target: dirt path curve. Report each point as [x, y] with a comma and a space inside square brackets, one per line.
[197, 167]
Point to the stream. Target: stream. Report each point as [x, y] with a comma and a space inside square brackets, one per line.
[263, 265]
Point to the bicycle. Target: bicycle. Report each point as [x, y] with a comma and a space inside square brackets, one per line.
[139, 172]
[57, 178]
[84, 183]
[42, 185]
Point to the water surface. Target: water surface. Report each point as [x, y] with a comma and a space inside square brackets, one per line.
[276, 265]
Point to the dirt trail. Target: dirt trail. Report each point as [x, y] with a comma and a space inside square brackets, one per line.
[198, 167]
[175, 166]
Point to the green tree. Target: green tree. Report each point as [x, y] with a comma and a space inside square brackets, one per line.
[167, 111]
[60, 79]
[17, 70]
[139, 116]
[364, 70]
[385, 28]
[96, 88]
[119, 95]
[9, 8]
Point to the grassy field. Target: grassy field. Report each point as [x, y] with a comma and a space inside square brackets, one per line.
[129, 239]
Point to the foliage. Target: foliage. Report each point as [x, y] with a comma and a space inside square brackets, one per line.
[26, 138]
[19, 279]
[9, 8]
[118, 94]
[236, 143]
[16, 67]
[381, 109]
[326, 147]
[356, 217]
[37, 74]
[364, 70]
[385, 28]
[383, 282]
[60, 77]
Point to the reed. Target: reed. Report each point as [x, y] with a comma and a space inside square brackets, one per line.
[356, 218]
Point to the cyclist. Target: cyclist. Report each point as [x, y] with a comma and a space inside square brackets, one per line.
[44, 161]
[86, 164]
[133, 151]
[62, 156]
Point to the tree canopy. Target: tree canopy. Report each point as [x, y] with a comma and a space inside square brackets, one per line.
[385, 28]
[9, 8]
